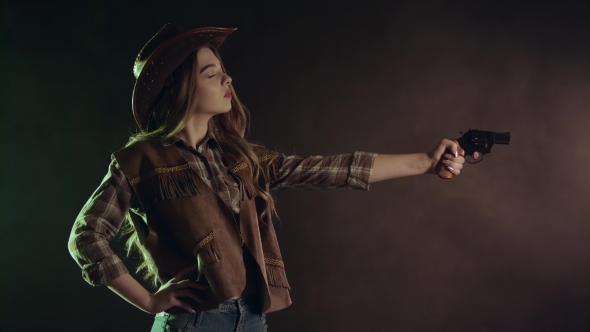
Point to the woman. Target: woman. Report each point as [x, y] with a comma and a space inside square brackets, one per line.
[195, 194]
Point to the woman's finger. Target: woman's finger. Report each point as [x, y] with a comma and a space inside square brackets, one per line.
[183, 272]
[451, 146]
[192, 284]
[455, 165]
[450, 157]
[453, 170]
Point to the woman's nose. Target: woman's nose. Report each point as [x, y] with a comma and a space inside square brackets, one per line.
[227, 80]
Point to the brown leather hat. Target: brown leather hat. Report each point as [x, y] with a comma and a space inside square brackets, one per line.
[163, 53]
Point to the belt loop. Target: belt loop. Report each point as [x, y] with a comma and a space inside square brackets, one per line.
[239, 305]
[190, 321]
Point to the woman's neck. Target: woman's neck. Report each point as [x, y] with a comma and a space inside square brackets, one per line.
[195, 130]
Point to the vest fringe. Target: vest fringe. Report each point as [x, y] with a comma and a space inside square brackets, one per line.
[276, 276]
[172, 185]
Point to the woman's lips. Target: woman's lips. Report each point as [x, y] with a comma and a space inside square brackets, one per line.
[228, 94]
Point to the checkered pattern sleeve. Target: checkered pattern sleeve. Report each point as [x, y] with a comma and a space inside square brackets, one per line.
[97, 224]
[323, 172]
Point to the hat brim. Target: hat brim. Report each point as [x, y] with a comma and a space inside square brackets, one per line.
[164, 60]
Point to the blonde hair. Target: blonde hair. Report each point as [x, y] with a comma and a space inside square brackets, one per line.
[170, 115]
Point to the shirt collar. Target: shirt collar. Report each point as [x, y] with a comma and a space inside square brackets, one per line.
[210, 139]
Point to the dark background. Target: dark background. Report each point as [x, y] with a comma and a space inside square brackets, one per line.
[505, 246]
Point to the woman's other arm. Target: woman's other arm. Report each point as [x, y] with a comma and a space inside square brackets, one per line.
[96, 225]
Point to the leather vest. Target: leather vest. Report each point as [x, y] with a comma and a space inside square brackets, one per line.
[187, 223]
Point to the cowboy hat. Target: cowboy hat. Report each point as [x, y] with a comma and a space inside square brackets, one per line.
[160, 56]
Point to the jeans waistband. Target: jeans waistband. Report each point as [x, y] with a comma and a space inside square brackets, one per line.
[249, 303]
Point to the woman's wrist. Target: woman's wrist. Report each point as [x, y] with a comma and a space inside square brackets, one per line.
[132, 291]
[389, 166]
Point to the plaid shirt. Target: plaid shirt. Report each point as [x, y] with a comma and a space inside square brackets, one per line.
[101, 217]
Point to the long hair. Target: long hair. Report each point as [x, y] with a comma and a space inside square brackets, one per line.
[169, 116]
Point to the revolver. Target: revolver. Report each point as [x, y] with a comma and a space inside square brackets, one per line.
[475, 140]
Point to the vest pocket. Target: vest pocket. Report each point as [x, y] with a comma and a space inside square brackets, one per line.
[205, 251]
[275, 272]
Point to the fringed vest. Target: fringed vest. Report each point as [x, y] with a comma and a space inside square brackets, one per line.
[188, 223]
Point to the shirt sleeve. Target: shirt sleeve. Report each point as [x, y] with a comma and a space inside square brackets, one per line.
[97, 224]
[351, 170]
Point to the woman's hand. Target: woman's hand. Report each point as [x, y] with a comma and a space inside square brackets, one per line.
[448, 150]
[168, 294]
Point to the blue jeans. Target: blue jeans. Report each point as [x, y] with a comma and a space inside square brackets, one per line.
[241, 315]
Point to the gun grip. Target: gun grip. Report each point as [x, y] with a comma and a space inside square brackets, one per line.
[441, 169]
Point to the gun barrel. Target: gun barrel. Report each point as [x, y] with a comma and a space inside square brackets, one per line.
[502, 138]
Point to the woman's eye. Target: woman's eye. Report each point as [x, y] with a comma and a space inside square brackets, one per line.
[211, 76]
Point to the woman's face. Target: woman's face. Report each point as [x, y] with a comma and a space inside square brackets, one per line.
[213, 93]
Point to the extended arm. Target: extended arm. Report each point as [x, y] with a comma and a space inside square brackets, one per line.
[359, 169]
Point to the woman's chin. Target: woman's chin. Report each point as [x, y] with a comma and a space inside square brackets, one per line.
[219, 111]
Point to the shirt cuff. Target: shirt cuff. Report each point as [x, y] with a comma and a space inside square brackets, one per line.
[361, 167]
[106, 270]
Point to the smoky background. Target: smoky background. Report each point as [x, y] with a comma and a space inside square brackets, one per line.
[502, 247]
